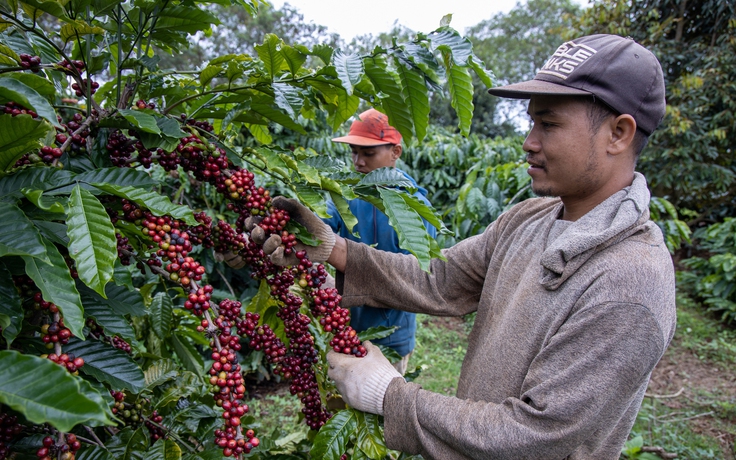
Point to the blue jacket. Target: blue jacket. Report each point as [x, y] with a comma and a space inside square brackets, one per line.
[374, 230]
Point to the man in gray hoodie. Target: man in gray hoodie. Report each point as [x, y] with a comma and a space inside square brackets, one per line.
[574, 291]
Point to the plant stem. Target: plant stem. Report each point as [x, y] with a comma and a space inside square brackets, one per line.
[94, 435]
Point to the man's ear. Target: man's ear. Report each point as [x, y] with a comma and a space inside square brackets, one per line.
[623, 130]
[396, 152]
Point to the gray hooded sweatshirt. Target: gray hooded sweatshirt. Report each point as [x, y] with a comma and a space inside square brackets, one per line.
[571, 320]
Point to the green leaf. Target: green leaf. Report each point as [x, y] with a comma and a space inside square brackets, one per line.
[417, 100]
[349, 69]
[485, 75]
[92, 242]
[332, 440]
[294, 58]
[161, 314]
[117, 176]
[181, 18]
[210, 72]
[41, 85]
[44, 202]
[94, 453]
[20, 135]
[392, 103]
[161, 371]
[189, 356]
[35, 8]
[108, 364]
[370, 436]
[119, 298]
[186, 384]
[11, 307]
[266, 306]
[18, 236]
[113, 323]
[141, 120]
[270, 54]
[260, 132]
[7, 55]
[323, 52]
[57, 286]
[158, 204]
[44, 392]
[165, 449]
[311, 198]
[269, 112]
[346, 107]
[390, 177]
[461, 90]
[343, 207]
[75, 30]
[12, 89]
[288, 98]
[171, 133]
[448, 39]
[408, 225]
[427, 212]
[36, 178]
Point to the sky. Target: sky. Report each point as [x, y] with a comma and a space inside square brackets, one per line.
[350, 18]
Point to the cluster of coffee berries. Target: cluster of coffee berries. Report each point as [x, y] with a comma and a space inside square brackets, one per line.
[203, 125]
[64, 451]
[172, 243]
[262, 338]
[10, 429]
[132, 414]
[15, 109]
[120, 148]
[81, 90]
[70, 362]
[140, 104]
[234, 445]
[29, 62]
[237, 185]
[124, 249]
[40, 304]
[153, 423]
[98, 332]
[71, 67]
[55, 332]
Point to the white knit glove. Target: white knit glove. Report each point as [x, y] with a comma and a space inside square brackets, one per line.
[314, 225]
[362, 382]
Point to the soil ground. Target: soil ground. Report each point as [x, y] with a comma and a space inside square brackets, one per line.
[679, 382]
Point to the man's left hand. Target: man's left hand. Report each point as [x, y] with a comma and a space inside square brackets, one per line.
[362, 382]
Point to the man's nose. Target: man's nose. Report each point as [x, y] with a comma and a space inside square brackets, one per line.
[531, 143]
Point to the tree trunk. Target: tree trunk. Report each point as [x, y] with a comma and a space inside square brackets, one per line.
[681, 20]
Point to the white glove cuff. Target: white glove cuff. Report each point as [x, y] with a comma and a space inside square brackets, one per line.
[376, 386]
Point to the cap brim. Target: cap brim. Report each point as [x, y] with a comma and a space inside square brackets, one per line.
[360, 140]
[527, 89]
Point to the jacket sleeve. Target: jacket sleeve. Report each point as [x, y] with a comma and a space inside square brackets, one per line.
[571, 391]
[389, 280]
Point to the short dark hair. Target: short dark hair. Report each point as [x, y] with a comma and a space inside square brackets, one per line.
[598, 112]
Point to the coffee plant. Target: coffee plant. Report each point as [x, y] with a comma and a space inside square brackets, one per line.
[121, 182]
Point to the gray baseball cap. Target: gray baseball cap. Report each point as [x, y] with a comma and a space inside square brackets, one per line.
[617, 70]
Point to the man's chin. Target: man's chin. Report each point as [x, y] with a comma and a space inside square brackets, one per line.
[543, 192]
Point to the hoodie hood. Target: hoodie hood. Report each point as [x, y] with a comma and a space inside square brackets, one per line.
[619, 216]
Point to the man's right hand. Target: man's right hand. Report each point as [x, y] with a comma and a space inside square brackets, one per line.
[272, 245]
[313, 224]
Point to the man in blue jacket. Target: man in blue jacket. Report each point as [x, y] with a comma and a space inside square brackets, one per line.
[376, 144]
